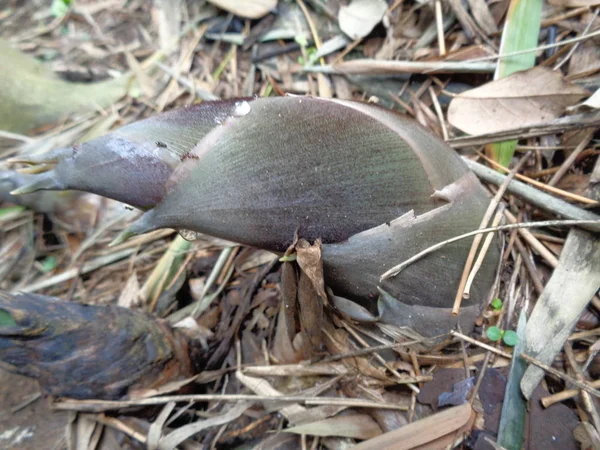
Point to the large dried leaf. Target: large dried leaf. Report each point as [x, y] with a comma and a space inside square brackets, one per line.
[251, 9]
[422, 432]
[360, 17]
[521, 99]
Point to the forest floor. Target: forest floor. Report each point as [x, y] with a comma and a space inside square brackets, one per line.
[185, 52]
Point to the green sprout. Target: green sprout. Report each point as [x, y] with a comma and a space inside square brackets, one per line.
[60, 8]
[509, 337]
[497, 304]
[48, 264]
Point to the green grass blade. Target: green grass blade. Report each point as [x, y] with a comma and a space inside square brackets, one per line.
[521, 32]
[512, 419]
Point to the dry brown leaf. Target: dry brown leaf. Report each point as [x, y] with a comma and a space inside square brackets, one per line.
[130, 295]
[359, 18]
[251, 9]
[309, 260]
[423, 431]
[358, 426]
[519, 100]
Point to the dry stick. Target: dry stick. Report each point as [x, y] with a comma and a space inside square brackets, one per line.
[576, 46]
[531, 240]
[580, 384]
[562, 193]
[533, 273]
[379, 358]
[544, 223]
[560, 125]
[564, 16]
[483, 252]
[486, 218]
[369, 350]
[565, 395]
[118, 425]
[535, 196]
[104, 405]
[438, 111]
[481, 344]
[571, 159]
[439, 20]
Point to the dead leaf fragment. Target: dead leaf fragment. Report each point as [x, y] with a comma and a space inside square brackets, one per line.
[359, 18]
[358, 426]
[251, 9]
[594, 100]
[422, 432]
[519, 100]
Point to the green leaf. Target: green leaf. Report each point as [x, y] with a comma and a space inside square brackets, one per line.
[494, 334]
[60, 8]
[510, 338]
[521, 32]
[301, 40]
[10, 210]
[497, 304]
[514, 407]
[6, 320]
[48, 264]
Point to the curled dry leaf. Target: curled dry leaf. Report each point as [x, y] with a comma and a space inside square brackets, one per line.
[251, 9]
[519, 100]
[359, 18]
[372, 185]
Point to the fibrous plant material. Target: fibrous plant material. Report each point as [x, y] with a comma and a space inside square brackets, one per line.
[85, 351]
[374, 186]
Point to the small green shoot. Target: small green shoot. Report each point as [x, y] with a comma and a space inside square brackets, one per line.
[509, 337]
[288, 258]
[6, 320]
[60, 8]
[497, 304]
[48, 264]
[494, 334]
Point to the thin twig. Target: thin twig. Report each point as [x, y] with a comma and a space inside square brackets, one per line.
[538, 184]
[105, 405]
[565, 395]
[531, 240]
[460, 293]
[572, 157]
[481, 344]
[576, 46]
[563, 376]
[483, 252]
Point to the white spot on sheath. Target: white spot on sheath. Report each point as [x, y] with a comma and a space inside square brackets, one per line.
[241, 109]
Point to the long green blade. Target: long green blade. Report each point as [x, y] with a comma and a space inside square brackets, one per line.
[521, 32]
